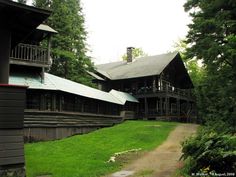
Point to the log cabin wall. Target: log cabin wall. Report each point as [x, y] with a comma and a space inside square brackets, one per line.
[43, 125]
[51, 115]
[12, 103]
[158, 98]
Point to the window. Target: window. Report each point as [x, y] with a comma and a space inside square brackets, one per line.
[32, 101]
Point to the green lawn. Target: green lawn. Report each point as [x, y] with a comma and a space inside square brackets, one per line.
[86, 155]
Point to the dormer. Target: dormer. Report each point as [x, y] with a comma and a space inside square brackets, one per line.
[34, 50]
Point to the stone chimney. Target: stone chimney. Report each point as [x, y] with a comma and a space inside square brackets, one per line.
[129, 54]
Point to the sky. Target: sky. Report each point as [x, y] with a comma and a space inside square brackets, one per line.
[114, 25]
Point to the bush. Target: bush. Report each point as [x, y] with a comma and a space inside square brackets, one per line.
[209, 152]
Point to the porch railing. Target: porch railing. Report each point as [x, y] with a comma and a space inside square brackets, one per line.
[30, 53]
[163, 88]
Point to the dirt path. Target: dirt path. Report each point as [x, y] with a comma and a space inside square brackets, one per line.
[161, 162]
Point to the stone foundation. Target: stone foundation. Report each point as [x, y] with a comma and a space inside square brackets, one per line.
[12, 171]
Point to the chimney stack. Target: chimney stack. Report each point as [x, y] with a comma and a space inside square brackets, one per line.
[129, 54]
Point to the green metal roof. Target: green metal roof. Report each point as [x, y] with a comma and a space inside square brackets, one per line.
[52, 82]
[123, 97]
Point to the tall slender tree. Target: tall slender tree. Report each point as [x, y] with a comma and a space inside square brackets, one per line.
[69, 45]
[212, 36]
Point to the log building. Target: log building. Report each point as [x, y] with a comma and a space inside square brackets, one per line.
[56, 107]
[160, 83]
[17, 22]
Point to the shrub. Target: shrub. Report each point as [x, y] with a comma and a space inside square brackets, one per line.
[209, 152]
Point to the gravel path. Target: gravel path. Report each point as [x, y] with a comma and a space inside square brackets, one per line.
[163, 161]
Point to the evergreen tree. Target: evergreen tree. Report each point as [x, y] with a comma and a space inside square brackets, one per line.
[69, 45]
[45, 4]
[197, 74]
[212, 37]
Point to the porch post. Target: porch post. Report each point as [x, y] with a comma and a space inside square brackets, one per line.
[146, 108]
[161, 106]
[178, 107]
[5, 49]
[154, 84]
[167, 106]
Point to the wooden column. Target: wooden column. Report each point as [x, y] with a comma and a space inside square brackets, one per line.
[161, 106]
[157, 106]
[98, 107]
[167, 102]
[145, 85]
[188, 112]
[60, 102]
[146, 108]
[42, 75]
[54, 102]
[42, 102]
[49, 47]
[154, 84]
[178, 107]
[82, 105]
[5, 48]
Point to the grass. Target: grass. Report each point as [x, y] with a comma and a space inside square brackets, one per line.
[86, 155]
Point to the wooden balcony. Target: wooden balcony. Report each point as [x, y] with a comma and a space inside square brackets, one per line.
[31, 55]
[150, 91]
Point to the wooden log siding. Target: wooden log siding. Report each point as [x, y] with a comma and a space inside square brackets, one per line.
[41, 125]
[11, 146]
[12, 103]
[128, 115]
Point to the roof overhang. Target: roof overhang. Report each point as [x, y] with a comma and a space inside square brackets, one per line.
[40, 33]
[21, 20]
[178, 74]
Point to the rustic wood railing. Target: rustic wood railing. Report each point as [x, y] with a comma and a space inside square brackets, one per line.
[163, 88]
[30, 53]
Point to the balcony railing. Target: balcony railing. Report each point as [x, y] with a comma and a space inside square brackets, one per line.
[161, 89]
[30, 54]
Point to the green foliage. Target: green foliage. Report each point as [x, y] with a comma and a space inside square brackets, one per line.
[210, 150]
[45, 4]
[212, 38]
[69, 45]
[195, 70]
[197, 73]
[86, 155]
[136, 53]
[22, 1]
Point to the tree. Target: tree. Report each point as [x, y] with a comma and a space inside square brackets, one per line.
[212, 38]
[197, 73]
[22, 1]
[136, 52]
[42, 3]
[69, 45]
